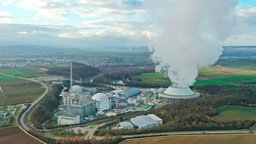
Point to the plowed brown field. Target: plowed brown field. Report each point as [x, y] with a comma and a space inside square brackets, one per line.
[15, 136]
[205, 139]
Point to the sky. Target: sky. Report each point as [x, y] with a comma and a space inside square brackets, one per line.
[97, 23]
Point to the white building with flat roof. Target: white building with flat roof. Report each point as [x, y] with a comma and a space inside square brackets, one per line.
[156, 118]
[125, 125]
[145, 121]
[133, 101]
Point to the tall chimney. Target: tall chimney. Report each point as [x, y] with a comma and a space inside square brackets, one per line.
[71, 76]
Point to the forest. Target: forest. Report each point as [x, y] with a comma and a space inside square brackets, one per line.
[79, 71]
[45, 109]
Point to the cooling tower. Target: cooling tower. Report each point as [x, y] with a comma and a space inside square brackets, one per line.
[176, 93]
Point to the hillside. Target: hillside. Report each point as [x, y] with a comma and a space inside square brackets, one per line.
[79, 71]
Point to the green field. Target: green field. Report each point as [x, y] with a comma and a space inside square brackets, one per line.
[25, 72]
[226, 76]
[229, 80]
[155, 78]
[230, 112]
[217, 75]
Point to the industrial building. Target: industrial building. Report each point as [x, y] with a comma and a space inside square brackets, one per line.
[85, 109]
[68, 119]
[125, 125]
[133, 101]
[113, 102]
[67, 98]
[156, 118]
[90, 108]
[146, 121]
[132, 92]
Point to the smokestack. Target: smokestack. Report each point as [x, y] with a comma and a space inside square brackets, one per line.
[71, 76]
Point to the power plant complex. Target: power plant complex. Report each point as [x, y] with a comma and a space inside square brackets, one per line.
[80, 104]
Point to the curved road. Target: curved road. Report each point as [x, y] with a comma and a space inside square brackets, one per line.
[23, 117]
[25, 114]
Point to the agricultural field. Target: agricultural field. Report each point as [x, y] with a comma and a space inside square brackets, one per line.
[16, 90]
[15, 136]
[155, 78]
[219, 75]
[229, 112]
[226, 76]
[205, 139]
[25, 72]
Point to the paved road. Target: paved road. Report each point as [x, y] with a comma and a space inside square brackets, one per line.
[21, 124]
[25, 114]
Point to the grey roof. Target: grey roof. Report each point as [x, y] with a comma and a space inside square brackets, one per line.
[125, 124]
[76, 106]
[154, 117]
[142, 120]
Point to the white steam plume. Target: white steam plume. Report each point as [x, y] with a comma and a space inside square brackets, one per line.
[192, 31]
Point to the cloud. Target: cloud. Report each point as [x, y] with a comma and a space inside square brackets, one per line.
[245, 32]
[6, 17]
[248, 16]
[54, 9]
[84, 20]
[22, 32]
[75, 35]
[7, 2]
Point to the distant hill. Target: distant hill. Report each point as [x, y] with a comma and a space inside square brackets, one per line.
[27, 49]
[229, 51]
[239, 52]
[40, 50]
